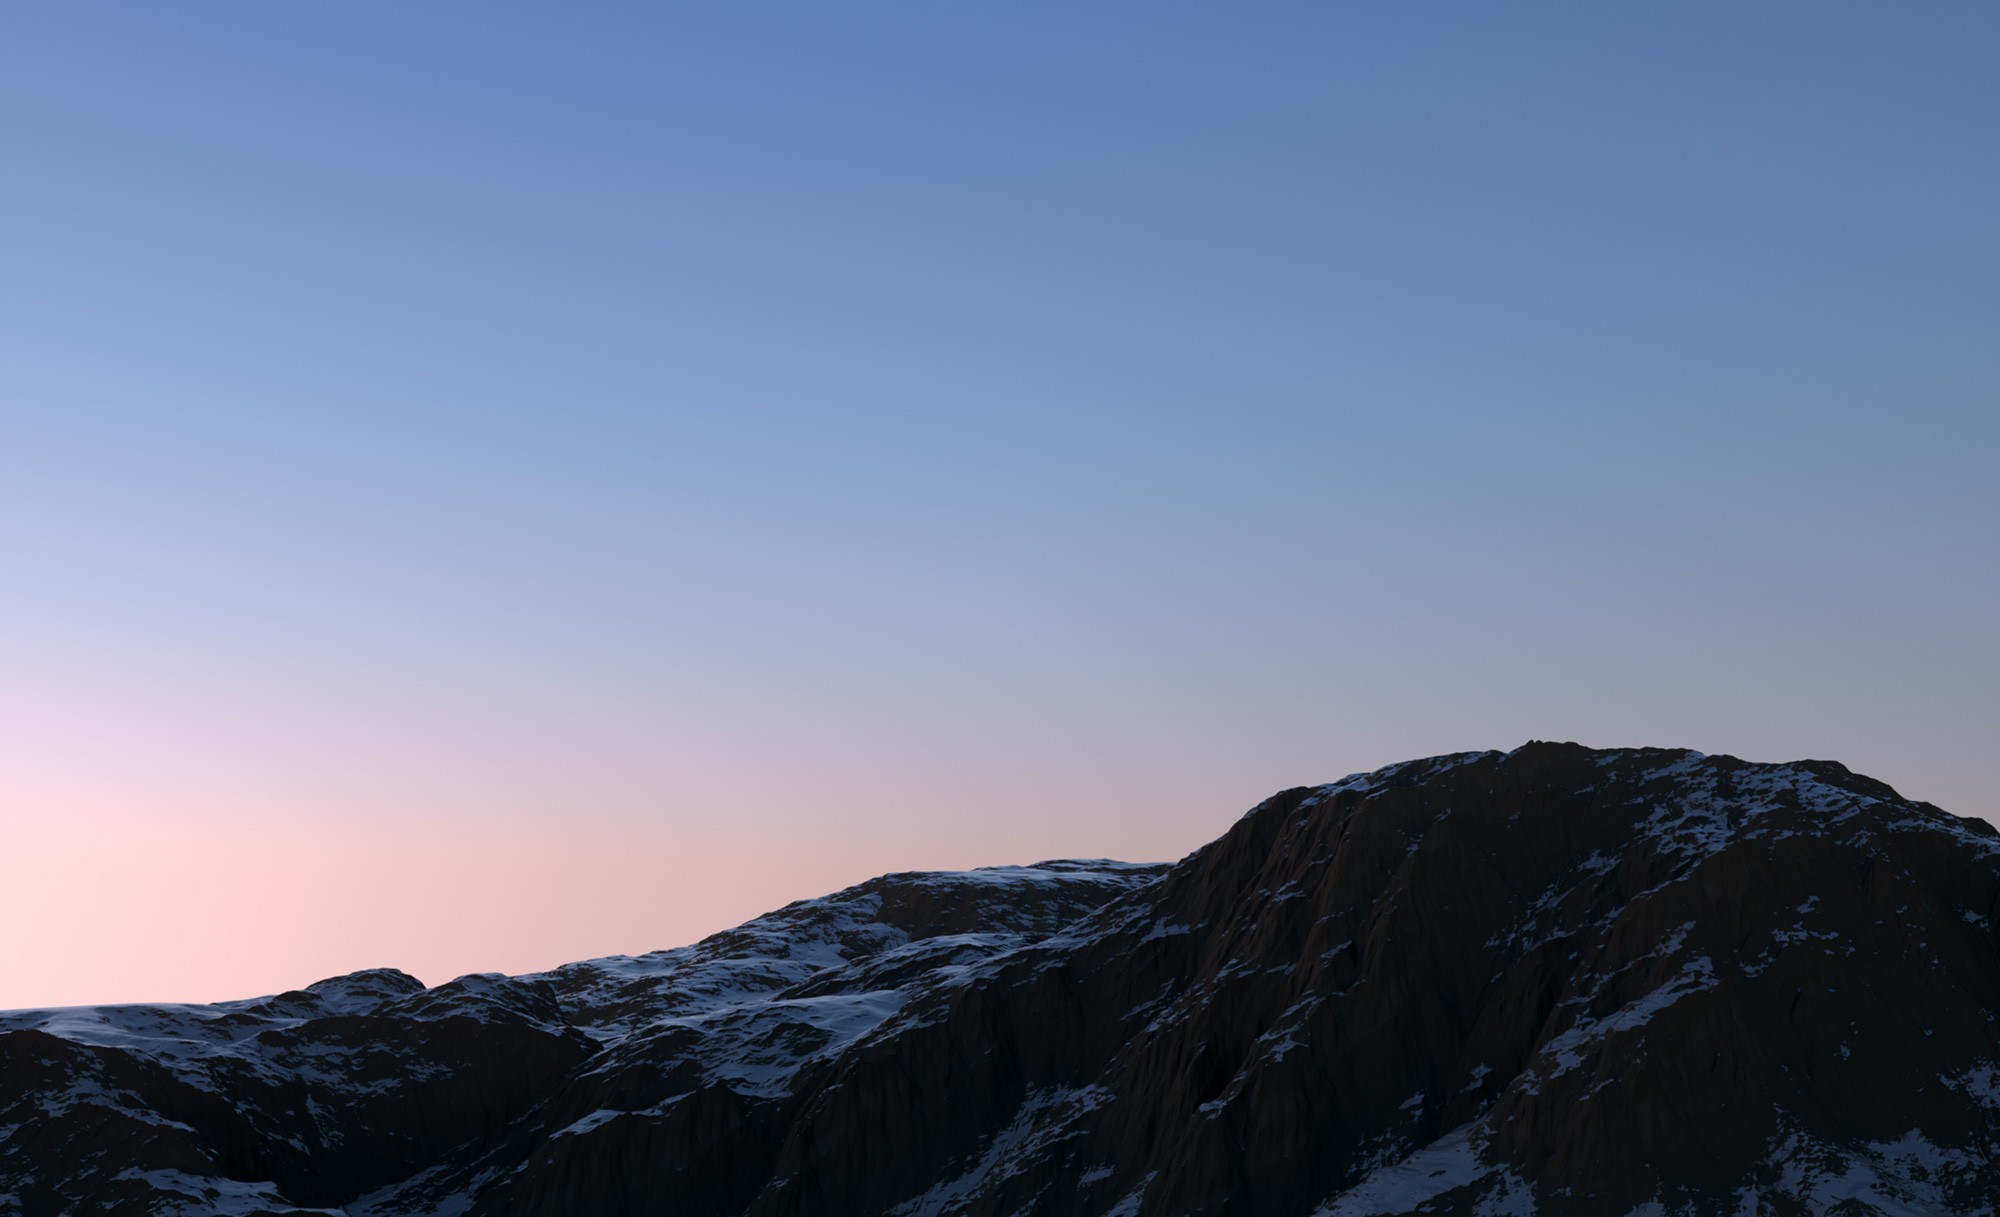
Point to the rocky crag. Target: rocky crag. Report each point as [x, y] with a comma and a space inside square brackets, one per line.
[1555, 980]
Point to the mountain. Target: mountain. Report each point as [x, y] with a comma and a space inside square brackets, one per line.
[1555, 981]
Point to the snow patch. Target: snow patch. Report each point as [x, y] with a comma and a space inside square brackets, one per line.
[1909, 1177]
[1004, 1154]
[1570, 1049]
[1451, 1161]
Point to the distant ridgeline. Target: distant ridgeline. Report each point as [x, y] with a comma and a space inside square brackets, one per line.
[1552, 981]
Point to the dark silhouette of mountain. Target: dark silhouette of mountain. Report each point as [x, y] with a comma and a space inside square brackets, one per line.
[1555, 980]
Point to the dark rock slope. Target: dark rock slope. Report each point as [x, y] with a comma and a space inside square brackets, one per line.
[1553, 981]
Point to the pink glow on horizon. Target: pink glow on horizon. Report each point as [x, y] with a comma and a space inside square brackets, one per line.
[144, 914]
[112, 895]
[191, 917]
[187, 878]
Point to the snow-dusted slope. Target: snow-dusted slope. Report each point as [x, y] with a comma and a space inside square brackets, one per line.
[369, 1093]
[1553, 980]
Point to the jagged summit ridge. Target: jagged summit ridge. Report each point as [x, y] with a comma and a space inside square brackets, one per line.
[1551, 980]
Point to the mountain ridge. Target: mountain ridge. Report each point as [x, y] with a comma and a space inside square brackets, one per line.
[1551, 980]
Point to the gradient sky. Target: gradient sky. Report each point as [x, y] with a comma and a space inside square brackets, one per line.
[487, 485]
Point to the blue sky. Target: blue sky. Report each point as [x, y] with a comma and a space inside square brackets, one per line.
[910, 435]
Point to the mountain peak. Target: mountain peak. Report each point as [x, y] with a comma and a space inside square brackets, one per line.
[1552, 980]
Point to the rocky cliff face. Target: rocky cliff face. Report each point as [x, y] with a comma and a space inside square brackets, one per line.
[1551, 981]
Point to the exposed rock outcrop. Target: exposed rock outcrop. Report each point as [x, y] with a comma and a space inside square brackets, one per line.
[1554, 980]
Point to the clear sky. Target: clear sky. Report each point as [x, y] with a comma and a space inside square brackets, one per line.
[489, 485]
